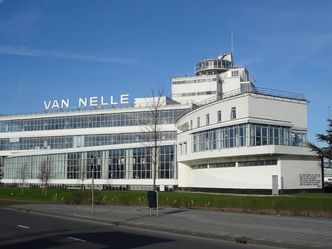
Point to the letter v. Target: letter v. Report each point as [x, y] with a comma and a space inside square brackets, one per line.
[47, 105]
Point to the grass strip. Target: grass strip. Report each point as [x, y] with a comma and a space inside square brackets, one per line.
[321, 202]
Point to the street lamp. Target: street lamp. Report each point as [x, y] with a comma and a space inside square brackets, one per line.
[93, 185]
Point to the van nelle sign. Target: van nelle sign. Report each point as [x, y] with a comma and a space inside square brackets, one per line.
[87, 102]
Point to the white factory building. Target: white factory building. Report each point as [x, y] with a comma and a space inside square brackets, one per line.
[216, 132]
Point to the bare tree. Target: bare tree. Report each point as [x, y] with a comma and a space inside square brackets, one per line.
[152, 125]
[82, 171]
[1, 169]
[45, 174]
[23, 175]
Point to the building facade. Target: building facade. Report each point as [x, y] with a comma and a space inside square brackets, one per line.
[217, 132]
[113, 146]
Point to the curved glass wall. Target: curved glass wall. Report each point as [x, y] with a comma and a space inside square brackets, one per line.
[246, 135]
[213, 64]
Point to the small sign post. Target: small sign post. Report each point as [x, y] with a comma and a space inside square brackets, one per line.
[153, 201]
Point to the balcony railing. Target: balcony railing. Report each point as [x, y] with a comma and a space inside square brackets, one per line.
[255, 90]
[266, 92]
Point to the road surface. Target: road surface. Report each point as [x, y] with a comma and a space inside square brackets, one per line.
[26, 230]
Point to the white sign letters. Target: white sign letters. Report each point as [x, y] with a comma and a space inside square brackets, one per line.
[87, 102]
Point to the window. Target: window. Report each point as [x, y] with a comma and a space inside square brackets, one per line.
[264, 135]
[207, 119]
[298, 138]
[199, 166]
[258, 163]
[222, 165]
[116, 164]
[233, 113]
[225, 137]
[185, 148]
[219, 116]
[191, 124]
[246, 135]
[258, 135]
[235, 73]
[198, 122]
[242, 135]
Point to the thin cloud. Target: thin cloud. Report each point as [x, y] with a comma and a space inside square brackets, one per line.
[298, 48]
[36, 52]
[20, 23]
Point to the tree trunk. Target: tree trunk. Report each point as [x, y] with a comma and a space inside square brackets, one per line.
[322, 171]
[155, 165]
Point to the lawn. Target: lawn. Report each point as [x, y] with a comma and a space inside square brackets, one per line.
[302, 204]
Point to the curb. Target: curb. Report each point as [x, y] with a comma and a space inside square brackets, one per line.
[229, 238]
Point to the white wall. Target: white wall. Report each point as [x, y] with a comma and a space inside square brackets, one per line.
[231, 84]
[259, 177]
[249, 108]
[184, 175]
[225, 106]
[253, 106]
[279, 109]
[291, 170]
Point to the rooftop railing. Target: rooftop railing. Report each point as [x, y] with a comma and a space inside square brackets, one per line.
[270, 92]
[255, 90]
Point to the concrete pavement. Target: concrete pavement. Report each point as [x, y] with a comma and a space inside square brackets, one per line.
[282, 231]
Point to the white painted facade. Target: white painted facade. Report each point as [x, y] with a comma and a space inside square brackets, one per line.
[291, 162]
[218, 133]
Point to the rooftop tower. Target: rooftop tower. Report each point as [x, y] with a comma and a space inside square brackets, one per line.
[213, 77]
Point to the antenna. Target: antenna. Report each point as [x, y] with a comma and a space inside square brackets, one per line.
[232, 46]
[232, 41]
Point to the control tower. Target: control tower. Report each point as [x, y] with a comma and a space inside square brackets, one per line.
[214, 66]
[213, 77]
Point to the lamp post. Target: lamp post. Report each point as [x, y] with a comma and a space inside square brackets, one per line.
[93, 186]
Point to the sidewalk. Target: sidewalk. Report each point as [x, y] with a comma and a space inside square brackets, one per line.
[283, 231]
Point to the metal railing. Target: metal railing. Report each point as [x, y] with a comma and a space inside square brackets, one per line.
[255, 90]
[267, 92]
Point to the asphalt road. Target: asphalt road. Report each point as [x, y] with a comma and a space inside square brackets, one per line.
[26, 230]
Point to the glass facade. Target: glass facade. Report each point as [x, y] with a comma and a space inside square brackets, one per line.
[246, 135]
[63, 142]
[121, 163]
[90, 121]
[132, 163]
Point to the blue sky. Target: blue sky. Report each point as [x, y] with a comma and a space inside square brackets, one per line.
[68, 49]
